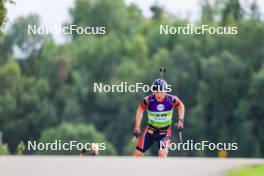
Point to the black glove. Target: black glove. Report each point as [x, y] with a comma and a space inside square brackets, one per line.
[136, 133]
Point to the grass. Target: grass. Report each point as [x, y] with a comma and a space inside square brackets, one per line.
[257, 170]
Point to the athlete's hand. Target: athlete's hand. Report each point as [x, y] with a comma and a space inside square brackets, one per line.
[136, 132]
[179, 125]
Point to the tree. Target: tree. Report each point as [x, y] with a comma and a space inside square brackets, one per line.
[107, 14]
[255, 13]
[224, 79]
[2, 14]
[24, 105]
[81, 133]
[25, 43]
[218, 77]
[232, 11]
[251, 110]
[157, 12]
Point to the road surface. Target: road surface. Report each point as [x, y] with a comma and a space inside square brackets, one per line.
[118, 166]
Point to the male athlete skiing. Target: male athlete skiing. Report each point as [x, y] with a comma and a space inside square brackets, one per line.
[159, 106]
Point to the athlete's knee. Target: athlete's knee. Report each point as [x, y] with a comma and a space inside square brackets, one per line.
[163, 153]
[138, 153]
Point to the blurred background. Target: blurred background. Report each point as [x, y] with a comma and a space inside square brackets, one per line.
[46, 81]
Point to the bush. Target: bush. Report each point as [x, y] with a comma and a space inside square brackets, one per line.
[4, 149]
[20, 148]
[81, 133]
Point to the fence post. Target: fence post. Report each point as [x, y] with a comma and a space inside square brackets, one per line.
[1, 138]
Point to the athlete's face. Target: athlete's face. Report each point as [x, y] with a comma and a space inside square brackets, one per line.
[160, 95]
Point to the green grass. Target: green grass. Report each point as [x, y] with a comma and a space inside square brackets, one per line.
[257, 170]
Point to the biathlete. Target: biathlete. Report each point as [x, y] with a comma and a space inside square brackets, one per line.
[159, 106]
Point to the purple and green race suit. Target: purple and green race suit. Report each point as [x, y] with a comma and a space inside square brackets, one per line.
[160, 113]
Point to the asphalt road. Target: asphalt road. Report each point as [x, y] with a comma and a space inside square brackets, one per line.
[118, 166]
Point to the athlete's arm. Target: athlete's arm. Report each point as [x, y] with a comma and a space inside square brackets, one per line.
[181, 111]
[139, 114]
[138, 118]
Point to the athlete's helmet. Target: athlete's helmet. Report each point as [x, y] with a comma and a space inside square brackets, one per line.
[159, 84]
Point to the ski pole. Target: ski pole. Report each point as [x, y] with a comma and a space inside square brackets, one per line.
[162, 71]
[180, 135]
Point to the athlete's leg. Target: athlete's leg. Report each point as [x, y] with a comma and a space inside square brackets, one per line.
[163, 153]
[144, 142]
[138, 153]
[164, 143]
